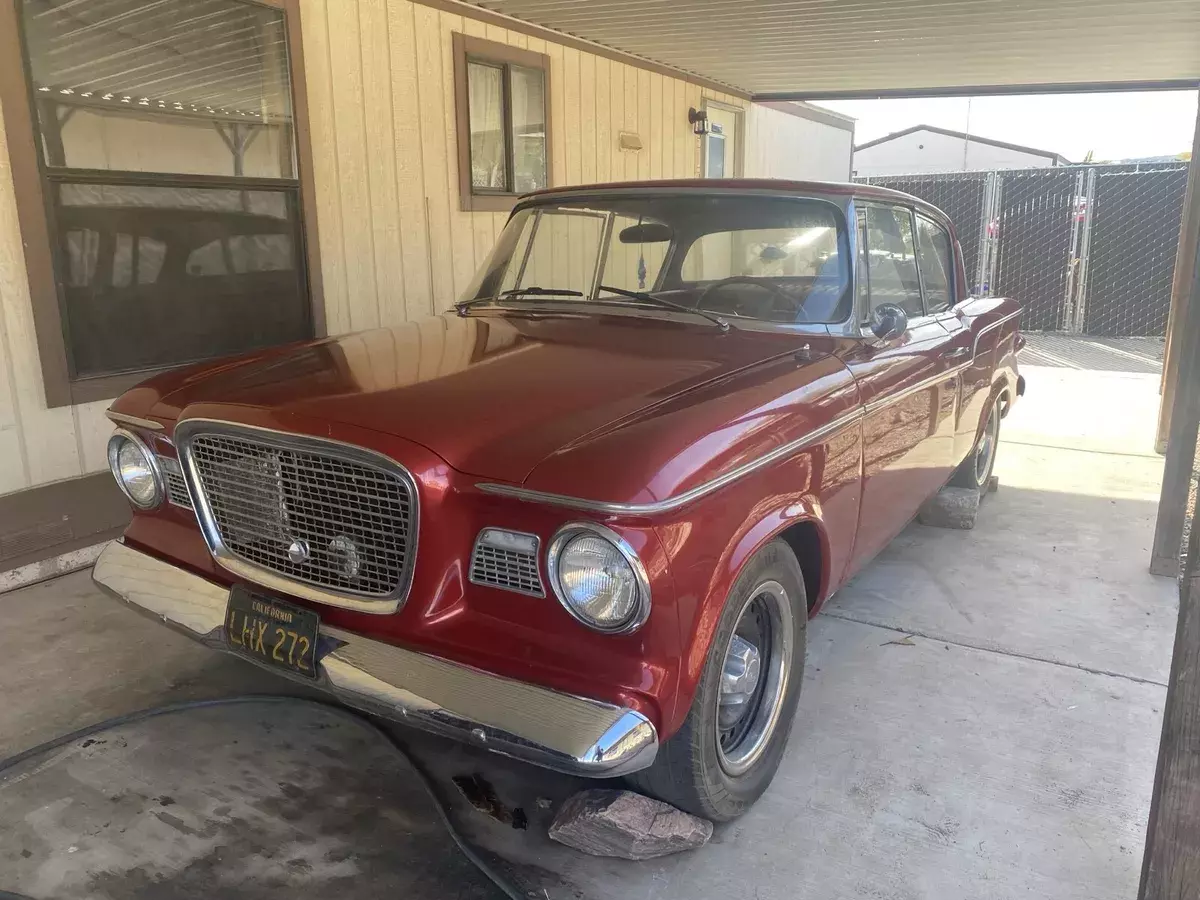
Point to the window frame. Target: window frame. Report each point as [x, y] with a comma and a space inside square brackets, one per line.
[34, 182]
[865, 314]
[468, 48]
[951, 275]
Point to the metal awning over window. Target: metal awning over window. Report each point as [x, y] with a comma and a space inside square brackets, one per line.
[218, 59]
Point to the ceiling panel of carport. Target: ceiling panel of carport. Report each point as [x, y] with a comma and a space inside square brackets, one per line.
[864, 46]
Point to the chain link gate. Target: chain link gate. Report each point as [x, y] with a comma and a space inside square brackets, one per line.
[1086, 249]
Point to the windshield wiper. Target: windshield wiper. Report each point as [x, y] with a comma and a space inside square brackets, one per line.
[541, 292]
[666, 304]
[519, 292]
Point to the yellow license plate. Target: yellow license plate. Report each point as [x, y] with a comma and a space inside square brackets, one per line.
[272, 632]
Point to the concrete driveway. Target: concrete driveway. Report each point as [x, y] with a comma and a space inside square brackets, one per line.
[980, 715]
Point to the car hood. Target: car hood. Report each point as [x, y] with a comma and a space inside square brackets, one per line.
[491, 395]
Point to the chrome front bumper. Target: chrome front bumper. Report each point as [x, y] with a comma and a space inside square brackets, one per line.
[558, 731]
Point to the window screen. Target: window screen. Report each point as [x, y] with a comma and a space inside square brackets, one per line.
[161, 276]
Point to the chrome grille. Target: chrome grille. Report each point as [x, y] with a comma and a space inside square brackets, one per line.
[510, 570]
[177, 492]
[314, 512]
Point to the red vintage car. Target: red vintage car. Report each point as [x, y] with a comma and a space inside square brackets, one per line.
[583, 518]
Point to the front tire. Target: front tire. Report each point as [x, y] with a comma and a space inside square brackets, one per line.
[976, 470]
[728, 749]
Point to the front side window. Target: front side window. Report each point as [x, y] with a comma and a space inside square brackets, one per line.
[936, 259]
[892, 259]
[501, 96]
[770, 259]
[168, 166]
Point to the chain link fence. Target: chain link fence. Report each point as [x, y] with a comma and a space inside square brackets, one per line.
[1086, 249]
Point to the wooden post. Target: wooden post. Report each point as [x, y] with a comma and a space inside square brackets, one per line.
[1184, 394]
[1171, 866]
[1189, 237]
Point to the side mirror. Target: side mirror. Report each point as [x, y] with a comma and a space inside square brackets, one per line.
[888, 321]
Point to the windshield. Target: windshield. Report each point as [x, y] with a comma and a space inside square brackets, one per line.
[772, 259]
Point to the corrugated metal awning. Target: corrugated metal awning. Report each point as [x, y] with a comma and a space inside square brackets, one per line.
[822, 47]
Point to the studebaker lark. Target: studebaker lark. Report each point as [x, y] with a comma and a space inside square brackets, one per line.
[583, 517]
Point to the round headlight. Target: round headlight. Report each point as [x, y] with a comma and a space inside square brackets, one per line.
[135, 469]
[599, 578]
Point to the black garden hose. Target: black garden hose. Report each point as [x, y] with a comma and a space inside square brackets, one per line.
[510, 890]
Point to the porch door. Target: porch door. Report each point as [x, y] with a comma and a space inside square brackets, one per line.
[723, 143]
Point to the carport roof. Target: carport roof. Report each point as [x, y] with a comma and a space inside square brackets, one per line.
[815, 48]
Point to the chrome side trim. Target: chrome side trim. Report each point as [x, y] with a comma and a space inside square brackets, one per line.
[922, 385]
[573, 529]
[544, 727]
[132, 421]
[661, 506]
[884, 402]
[265, 577]
[986, 328]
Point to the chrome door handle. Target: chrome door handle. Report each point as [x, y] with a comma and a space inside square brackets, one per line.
[957, 353]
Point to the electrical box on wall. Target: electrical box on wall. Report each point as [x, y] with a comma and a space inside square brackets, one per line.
[627, 140]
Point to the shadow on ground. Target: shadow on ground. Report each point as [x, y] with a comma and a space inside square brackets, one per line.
[259, 800]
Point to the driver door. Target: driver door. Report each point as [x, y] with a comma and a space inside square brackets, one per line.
[907, 388]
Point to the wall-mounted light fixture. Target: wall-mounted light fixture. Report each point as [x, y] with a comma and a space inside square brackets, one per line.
[698, 119]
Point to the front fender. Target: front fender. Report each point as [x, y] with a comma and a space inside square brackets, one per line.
[709, 542]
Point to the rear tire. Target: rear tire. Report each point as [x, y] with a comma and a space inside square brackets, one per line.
[728, 749]
[976, 470]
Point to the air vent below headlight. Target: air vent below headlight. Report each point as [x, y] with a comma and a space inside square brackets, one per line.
[507, 560]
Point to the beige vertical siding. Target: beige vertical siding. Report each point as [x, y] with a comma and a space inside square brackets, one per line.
[394, 244]
[37, 445]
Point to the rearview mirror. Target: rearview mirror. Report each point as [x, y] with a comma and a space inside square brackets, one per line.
[888, 321]
[646, 233]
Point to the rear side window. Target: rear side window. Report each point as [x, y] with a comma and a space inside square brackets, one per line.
[936, 260]
[892, 259]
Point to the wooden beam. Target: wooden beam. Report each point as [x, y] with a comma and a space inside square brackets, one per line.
[1180, 410]
[1171, 866]
[1189, 238]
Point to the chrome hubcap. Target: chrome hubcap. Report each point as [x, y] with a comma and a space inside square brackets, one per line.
[739, 680]
[986, 449]
[754, 678]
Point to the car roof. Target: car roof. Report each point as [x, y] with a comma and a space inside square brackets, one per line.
[774, 185]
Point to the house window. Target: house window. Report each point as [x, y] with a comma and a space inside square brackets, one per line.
[503, 124]
[166, 150]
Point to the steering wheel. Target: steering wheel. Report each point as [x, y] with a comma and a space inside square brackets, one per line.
[762, 312]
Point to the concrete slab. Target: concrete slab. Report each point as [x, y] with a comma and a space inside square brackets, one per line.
[922, 770]
[259, 800]
[75, 657]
